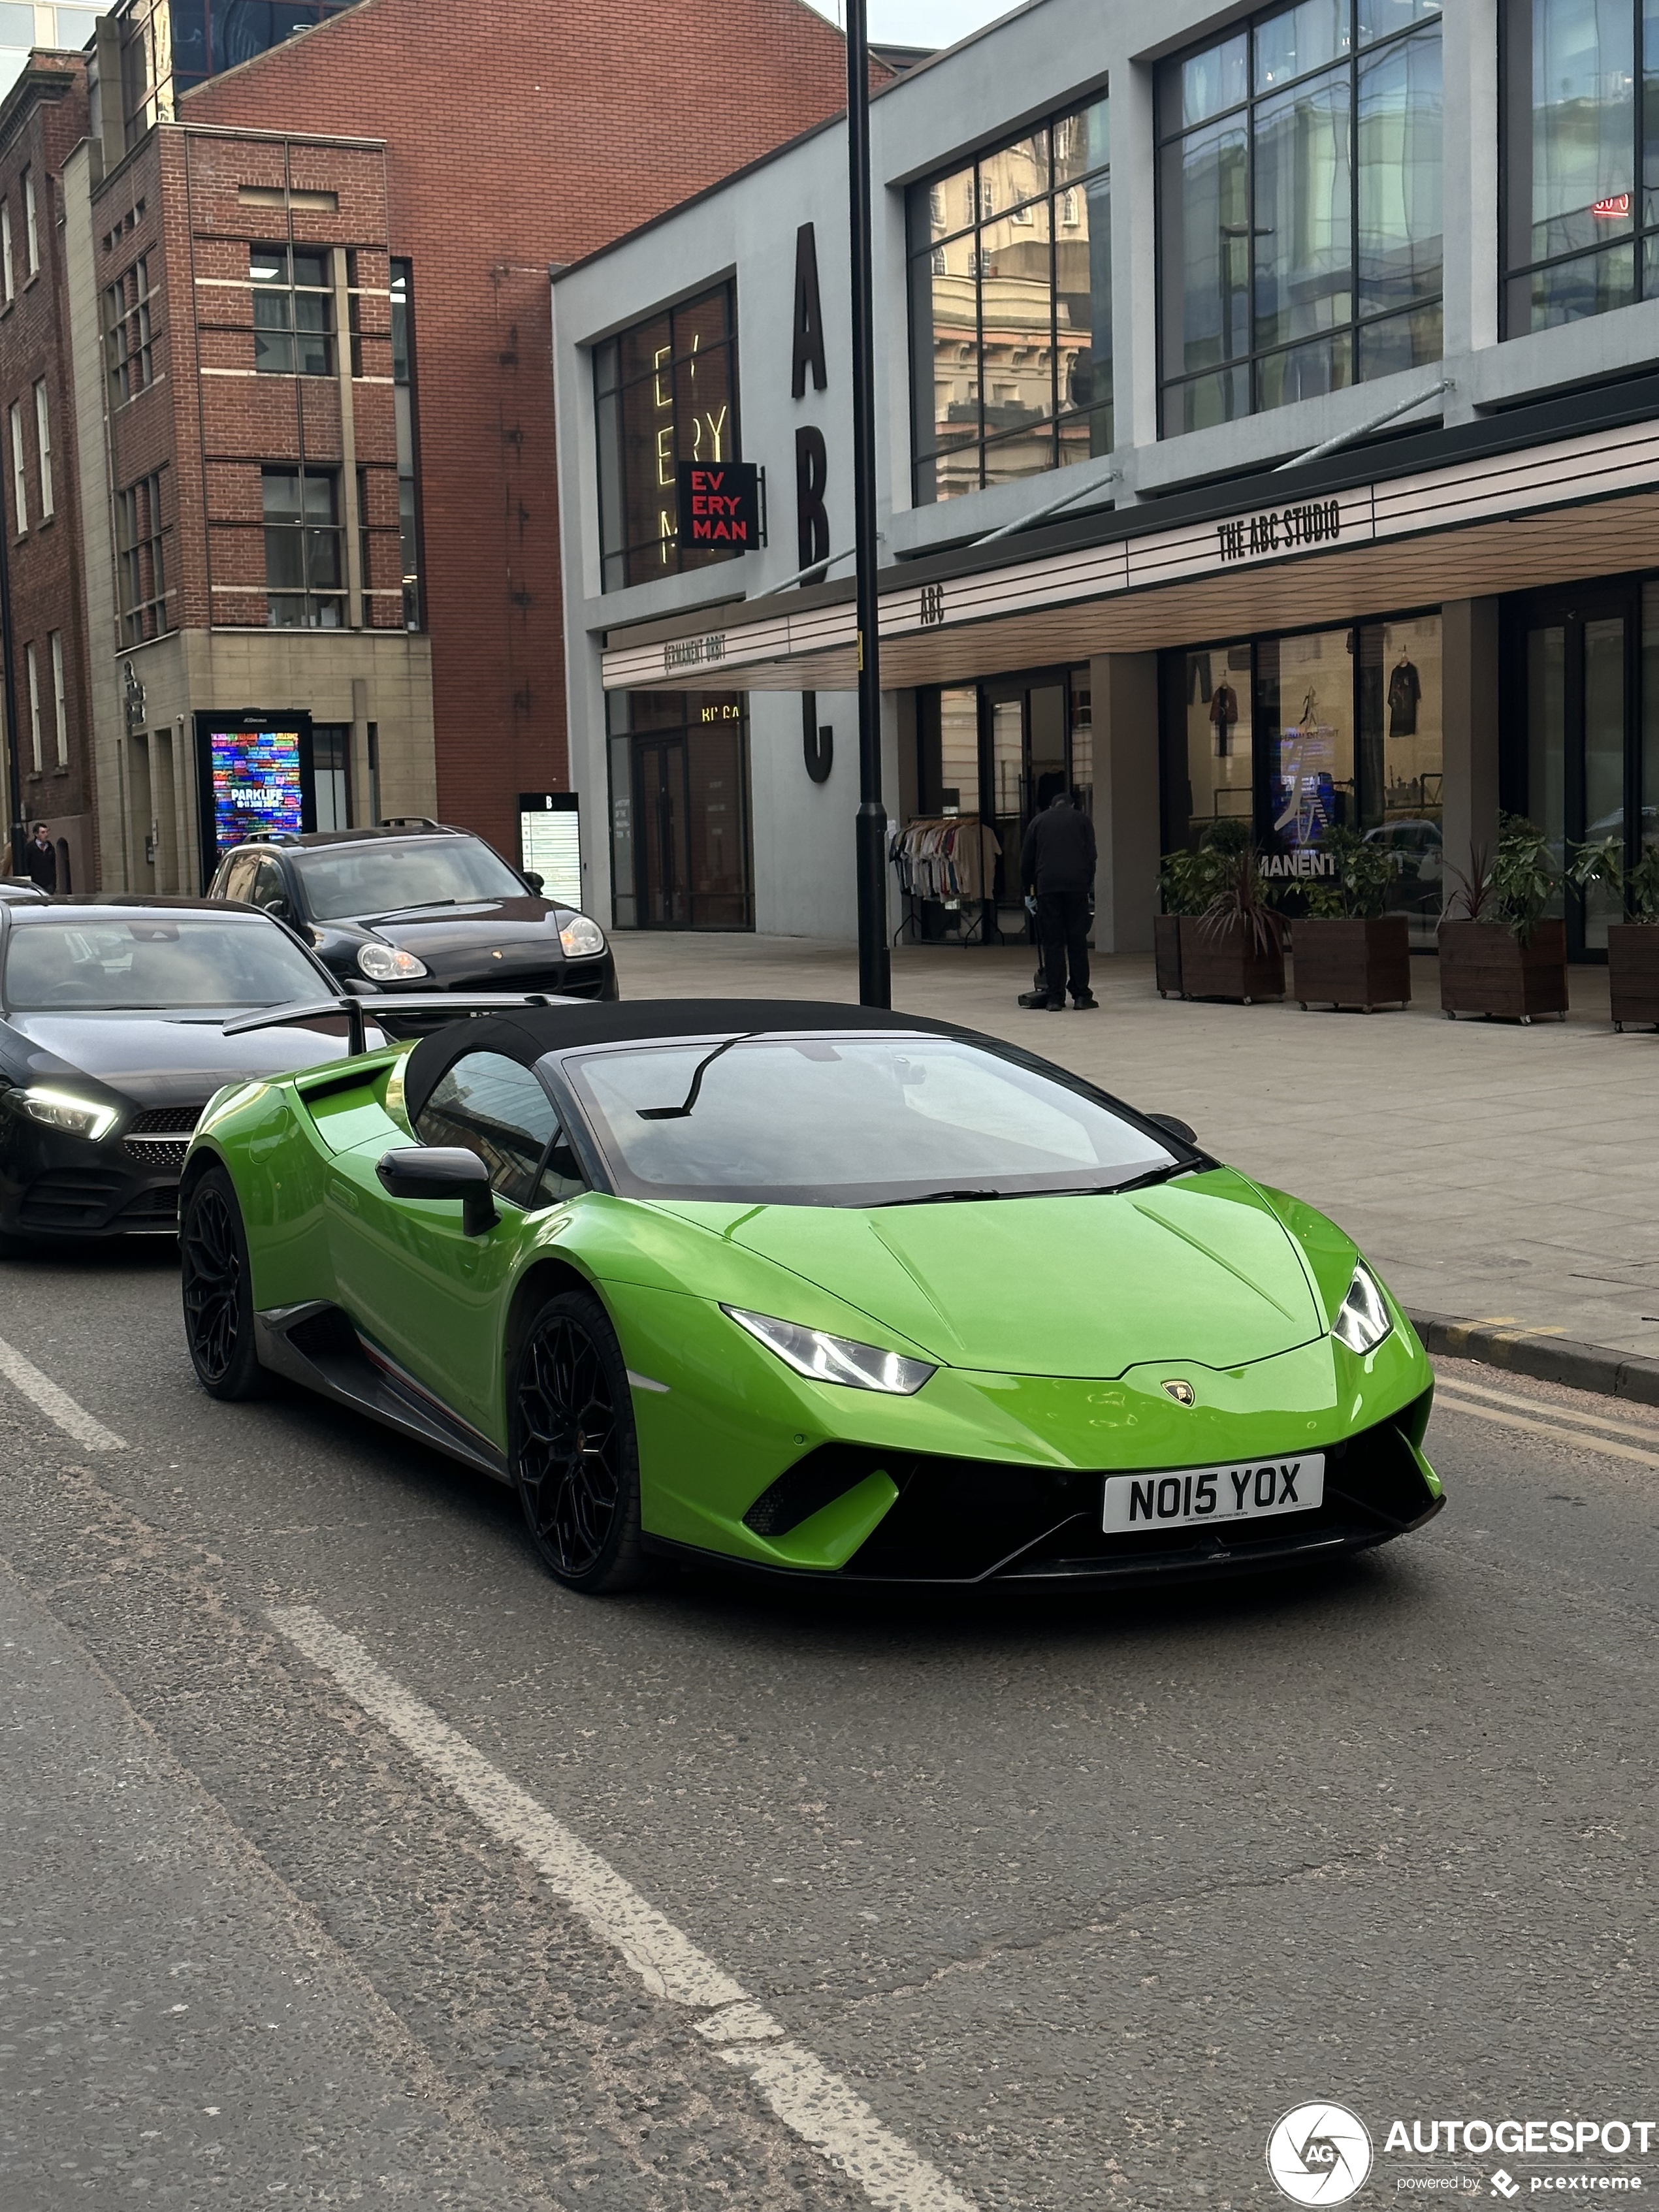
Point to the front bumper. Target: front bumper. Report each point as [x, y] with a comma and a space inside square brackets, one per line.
[967, 1521]
[54, 1184]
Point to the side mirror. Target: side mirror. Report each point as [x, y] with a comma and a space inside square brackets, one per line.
[1176, 1128]
[277, 908]
[441, 1171]
[537, 884]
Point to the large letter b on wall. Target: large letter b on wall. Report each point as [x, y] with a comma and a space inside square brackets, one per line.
[812, 474]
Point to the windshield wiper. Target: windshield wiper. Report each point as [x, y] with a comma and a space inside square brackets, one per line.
[1053, 1190]
[678, 1112]
[421, 906]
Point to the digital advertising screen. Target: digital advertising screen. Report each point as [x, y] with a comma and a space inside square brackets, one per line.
[255, 774]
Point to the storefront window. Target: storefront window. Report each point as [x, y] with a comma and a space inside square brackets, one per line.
[1581, 121]
[664, 391]
[1213, 755]
[679, 810]
[1299, 223]
[1010, 309]
[1281, 739]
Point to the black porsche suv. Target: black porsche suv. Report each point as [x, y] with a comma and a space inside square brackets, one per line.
[422, 907]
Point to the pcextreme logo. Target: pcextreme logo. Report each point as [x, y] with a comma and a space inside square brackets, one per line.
[1319, 2154]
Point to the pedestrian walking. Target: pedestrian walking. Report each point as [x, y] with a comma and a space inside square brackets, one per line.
[40, 861]
[1057, 866]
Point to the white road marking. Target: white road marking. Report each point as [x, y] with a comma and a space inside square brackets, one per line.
[1460, 1387]
[1583, 1439]
[815, 2103]
[55, 1404]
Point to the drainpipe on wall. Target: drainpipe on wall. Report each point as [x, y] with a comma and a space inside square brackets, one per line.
[8, 720]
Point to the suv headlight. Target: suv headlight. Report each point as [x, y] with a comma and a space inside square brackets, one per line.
[825, 1358]
[580, 936]
[1364, 1320]
[389, 964]
[62, 1109]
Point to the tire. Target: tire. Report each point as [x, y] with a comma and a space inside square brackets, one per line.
[575, 1456]
[218, 1292]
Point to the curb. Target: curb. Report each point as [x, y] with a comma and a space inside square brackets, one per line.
[1547, 1358]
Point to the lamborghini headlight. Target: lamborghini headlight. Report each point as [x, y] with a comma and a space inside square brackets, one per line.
[825, 1358]
[62, 1109]
[1364, 1321]
[389, 964]
[581, 937]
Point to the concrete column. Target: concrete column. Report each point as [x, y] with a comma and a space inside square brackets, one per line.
[1470, 722]
[1126, 810]
[362, 811]
[184, 781]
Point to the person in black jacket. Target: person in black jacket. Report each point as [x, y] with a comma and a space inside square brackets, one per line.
[1057, 863]
[40, 861]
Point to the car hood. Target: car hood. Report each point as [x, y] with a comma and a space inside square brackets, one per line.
[161, 1060]
[511, 921]
[1202, 1268]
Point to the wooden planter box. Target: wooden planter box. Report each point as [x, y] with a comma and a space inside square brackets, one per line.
[1166, 955]
[1227, 966]
[1352, 964]
[1633, 971]
[1484, 970]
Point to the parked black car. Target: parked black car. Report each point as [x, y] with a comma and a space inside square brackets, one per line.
[112, 1040]
[423, 908]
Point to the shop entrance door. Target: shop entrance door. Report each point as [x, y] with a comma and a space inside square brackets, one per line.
[1580, 657]
[659, 798]
[1028, 726]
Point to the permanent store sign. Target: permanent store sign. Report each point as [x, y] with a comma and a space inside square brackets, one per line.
[1601, 465]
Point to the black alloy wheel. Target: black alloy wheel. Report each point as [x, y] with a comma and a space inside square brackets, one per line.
[217, 1290]
[575, 1459]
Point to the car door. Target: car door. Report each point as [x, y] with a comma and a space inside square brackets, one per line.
[408, 1275]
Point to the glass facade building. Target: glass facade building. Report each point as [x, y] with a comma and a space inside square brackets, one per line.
[1299, 207]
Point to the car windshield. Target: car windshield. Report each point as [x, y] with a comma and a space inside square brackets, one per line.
[850, 1121]
[108, 964]
[387, 877]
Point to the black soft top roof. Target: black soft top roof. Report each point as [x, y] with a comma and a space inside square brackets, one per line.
[526, 1036]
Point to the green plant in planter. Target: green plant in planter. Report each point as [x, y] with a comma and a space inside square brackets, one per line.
[1242, 900]
[1517, 883]
[1188, 881]
[1637, 887]
[1359, 890]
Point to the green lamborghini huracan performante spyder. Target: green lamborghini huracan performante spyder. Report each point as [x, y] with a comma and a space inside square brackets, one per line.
[813, 1290]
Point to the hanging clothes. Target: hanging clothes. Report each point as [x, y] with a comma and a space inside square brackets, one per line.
[1405, 689]
[945, 856]
[1223, 713]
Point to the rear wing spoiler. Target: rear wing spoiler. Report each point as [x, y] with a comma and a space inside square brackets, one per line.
[384, 1008]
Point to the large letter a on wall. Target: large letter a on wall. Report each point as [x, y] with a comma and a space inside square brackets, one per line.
[809, 317]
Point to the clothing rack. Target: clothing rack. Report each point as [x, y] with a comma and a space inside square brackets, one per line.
[948, 860]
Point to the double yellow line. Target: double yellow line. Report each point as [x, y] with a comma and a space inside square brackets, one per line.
[1562, 1424]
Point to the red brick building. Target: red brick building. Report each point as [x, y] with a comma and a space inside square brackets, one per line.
[302, 314]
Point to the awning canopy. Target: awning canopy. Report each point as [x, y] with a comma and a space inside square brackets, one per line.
[1487, 523]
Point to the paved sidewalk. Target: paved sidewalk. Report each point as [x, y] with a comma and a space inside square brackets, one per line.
[1502, 1175]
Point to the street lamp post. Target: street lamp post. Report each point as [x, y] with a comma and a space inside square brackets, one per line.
[875, 977]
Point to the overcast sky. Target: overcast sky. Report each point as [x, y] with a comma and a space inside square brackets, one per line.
[922, 22]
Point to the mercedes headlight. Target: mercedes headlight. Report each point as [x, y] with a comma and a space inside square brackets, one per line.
[62, 1109]
[1364, 1320]
[580, 936]
[825, 1358]
[389, 964]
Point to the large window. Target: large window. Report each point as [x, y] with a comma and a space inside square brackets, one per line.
[128, 346]
[1581, 85]
[664, 391]
[293, 311]
[1010, 309]
[138, 547]
[1299, 229]
[305, 569]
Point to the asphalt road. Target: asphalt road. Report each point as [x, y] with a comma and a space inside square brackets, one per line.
[1078, 1897]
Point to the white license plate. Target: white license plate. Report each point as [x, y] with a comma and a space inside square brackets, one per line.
[1196, 1497]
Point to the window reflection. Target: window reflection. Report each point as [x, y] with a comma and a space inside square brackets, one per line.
[1581, 153]
[1299, 202]
[1010, 309]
